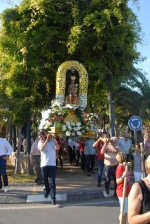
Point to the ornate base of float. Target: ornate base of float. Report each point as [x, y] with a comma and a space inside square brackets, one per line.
[90, 134]
[54, 131]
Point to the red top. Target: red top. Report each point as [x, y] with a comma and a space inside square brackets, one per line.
[99, 148]
[119, 190]
[58, 140]
[82, 147]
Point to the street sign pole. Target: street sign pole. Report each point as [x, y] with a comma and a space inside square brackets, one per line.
[135, 137]
[135, 124]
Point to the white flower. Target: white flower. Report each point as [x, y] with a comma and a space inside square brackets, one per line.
[73, 134]
[79, 133]
[72, 123]
[69, 127]
[64, 127]
[68, 123]
[78, 124]
[68, 133]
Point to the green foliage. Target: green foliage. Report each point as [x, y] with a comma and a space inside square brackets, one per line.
[38, 35]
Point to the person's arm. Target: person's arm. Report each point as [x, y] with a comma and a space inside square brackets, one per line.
[8, 148]
[134, 205]
[104, 148]
[145, 148]
[96, 143]
[131, 165]
[121, 177]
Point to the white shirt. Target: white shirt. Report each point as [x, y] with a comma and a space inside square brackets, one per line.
[71, 142]
[48, 155]
[5, 147]
[124, 145]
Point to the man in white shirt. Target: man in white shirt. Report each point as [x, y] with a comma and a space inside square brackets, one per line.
[71, 148]
[5, 152]
[125, 145]
[48, 146]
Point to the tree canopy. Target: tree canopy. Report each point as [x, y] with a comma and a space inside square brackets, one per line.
[38, 35]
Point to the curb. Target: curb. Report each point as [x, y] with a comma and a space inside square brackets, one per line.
[23, 198]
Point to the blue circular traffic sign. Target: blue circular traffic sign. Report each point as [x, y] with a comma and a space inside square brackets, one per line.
[135, 123]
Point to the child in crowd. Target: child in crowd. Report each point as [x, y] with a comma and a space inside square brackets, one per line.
[138, 163]
[120, 175]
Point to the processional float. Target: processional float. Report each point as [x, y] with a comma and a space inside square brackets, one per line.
[67, 115]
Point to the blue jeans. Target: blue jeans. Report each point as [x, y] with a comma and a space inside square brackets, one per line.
[100, 170]
[49, 172]
[110, 172]
[3, 172]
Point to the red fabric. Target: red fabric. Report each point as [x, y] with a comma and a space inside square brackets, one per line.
[119, 190]
[58, 140]
[82, 147]
[99, 148]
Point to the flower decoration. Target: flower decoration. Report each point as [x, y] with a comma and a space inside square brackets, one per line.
[91, 120]
[56, 115]
[72, 129]
[90, 117]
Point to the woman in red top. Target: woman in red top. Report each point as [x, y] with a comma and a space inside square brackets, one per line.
[120, 175]
[99, 144]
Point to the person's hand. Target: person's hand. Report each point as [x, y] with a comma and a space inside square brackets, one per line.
[5, 157]
[49, 137]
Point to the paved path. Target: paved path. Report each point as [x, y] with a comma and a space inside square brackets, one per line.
[71, 184]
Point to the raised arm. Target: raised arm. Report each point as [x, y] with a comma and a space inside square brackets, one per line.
[96, 143]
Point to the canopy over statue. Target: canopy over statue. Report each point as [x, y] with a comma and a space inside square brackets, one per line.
[77, 93]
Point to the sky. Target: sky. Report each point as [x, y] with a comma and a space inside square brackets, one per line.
[143, 15]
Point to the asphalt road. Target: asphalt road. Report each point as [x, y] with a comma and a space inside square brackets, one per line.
[86, 212]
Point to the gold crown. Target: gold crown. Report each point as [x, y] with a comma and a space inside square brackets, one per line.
[73, 77]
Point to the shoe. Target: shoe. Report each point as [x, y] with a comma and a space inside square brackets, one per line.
[107, 191]
[115, 195]
[6, 189]
[46, 194]
[53, 202]
[98, 185]
[44, 188]
[39, 182]
[88, 174]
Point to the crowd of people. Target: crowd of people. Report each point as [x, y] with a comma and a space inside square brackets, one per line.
[112, 154]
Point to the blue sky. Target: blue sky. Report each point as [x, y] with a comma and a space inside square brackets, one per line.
[143, 15]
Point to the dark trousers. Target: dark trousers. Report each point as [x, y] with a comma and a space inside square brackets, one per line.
[49, 172]
[36, 167]
[77, 156]
[60, 156]
[71, 153]
[82, 156]
[3, 172]
[90, 161]
[110, 172]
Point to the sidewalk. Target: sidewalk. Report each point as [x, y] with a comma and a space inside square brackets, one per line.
[71, 185]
